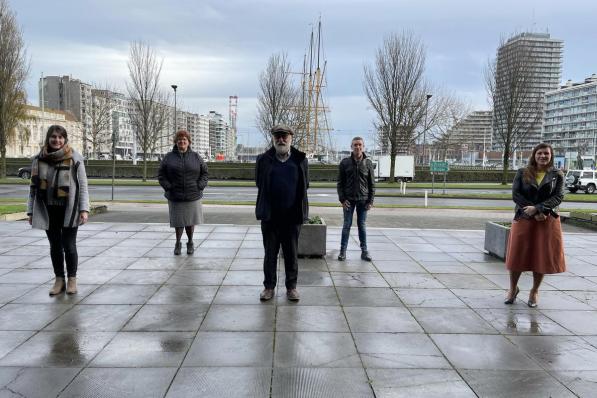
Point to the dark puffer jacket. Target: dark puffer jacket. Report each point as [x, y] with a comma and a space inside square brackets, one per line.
[183, 175]
[356, 180]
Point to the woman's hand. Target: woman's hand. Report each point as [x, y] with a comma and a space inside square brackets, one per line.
[540, 217]
[530, 210]
[83, 217]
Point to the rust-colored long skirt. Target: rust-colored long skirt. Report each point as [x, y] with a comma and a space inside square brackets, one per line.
[536, 246]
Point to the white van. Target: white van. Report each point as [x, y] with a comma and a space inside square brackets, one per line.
[583, 180]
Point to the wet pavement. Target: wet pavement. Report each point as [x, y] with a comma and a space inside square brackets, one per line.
[425, 319]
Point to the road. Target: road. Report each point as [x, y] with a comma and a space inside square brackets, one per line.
[316, 195]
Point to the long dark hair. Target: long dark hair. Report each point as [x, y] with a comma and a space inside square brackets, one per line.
[56, 129]
[530, 172]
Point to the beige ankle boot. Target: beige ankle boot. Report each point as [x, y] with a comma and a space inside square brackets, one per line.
[58, 287]
[71, 286]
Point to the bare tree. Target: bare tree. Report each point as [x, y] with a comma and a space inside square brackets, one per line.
[145, 96]
[14, 68]
[278, 96]
[443, 131]
[395, 88]
[511, 81]
[100, 134]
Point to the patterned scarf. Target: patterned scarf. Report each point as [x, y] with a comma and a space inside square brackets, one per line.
[61, 160]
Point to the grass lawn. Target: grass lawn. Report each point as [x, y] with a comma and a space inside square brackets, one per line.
[8, 209]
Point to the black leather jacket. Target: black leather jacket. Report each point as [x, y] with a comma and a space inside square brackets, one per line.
[263, 168]
[183, 176]
[356, 181]
[546, 197]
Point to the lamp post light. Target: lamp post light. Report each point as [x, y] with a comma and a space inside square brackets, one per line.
[425, 126]
[174, 87]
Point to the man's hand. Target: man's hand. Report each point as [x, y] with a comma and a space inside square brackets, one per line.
[84, 217]
[530, 210]
[368, 206]
[30, 218]
[540, 217]
[346, 204]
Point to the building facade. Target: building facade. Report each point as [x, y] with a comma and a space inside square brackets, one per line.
[570, 122]
[220, 140]
[536, 59]
[468, 138]
[31, 132]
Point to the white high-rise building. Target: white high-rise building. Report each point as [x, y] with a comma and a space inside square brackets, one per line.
[570, 121]
[219, 137]
[543, 69]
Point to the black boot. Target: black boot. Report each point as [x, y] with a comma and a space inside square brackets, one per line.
[190, 248]
[177, 248]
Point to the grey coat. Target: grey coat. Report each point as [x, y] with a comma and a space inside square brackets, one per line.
[78, 198]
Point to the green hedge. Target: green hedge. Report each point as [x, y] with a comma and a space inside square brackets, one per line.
[246, 171]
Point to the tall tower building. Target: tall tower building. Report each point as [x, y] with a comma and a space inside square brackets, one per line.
[541, 69]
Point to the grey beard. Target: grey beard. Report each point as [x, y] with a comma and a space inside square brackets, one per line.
[282, 149]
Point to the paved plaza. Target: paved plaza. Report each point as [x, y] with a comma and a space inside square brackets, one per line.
[425, 319]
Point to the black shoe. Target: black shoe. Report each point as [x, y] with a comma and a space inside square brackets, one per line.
[365, 256]
[342, 256]
[177, 248]
[190, 248]
[513, 298]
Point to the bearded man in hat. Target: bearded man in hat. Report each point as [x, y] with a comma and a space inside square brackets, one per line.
[282, 179]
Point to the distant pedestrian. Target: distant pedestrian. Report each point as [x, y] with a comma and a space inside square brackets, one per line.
[356, 191]
[183, 175]
[536, 242]
[59, 203]
[282, 179]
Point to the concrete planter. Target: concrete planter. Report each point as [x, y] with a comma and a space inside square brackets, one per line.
[312, 240]
[496, 239]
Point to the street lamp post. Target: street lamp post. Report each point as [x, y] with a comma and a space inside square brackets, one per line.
[425, 126]
[174, 87]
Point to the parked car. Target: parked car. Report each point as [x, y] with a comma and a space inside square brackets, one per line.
[25, 172]
[583, 180]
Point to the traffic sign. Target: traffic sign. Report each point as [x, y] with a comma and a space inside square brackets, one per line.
[441, 167]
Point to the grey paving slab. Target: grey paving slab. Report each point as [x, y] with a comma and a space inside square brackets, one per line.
[476, 351]
[434, 298]
[581, 383]
[99, 317]
[180, 294]
[9, 340]
[39, 295]
[221, 382]
[57, 349]
[558, 352]
[381, 319]
[240, 318]
[30, 316]
[520, 383]
[34, 382]
[244, 349]
[418, 383]
[310, 295]
[310, 319]
[368, 297]
[167, 317]
[145, 349]
[315, 349]
[451, 320]
[521, 322]
[118, 383]
[399, 350]
[115, 294]
[320, 382]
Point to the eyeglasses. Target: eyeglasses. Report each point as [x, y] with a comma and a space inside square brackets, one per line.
[284, 136]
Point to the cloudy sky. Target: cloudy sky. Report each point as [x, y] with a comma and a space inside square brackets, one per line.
[216, 48]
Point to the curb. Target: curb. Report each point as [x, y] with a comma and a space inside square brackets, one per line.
[98, 209]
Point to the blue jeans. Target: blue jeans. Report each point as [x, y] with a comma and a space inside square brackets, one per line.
[361, 219]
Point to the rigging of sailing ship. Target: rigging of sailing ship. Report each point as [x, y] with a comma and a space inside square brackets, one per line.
[313, 126]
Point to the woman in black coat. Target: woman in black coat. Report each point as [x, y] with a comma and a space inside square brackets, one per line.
[183, 175]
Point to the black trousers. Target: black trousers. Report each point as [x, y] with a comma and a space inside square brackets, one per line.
[63, 243]
[277, 234]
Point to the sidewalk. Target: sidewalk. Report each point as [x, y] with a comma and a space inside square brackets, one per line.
[425, 319]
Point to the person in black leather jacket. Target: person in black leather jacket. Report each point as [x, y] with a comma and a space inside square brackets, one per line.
[183, 174]
[356, 190]
[282, 179]
[535, 243]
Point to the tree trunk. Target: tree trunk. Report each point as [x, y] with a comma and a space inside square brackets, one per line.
[144, 168]
[3, 165]
[392, 167]
[506, 163]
